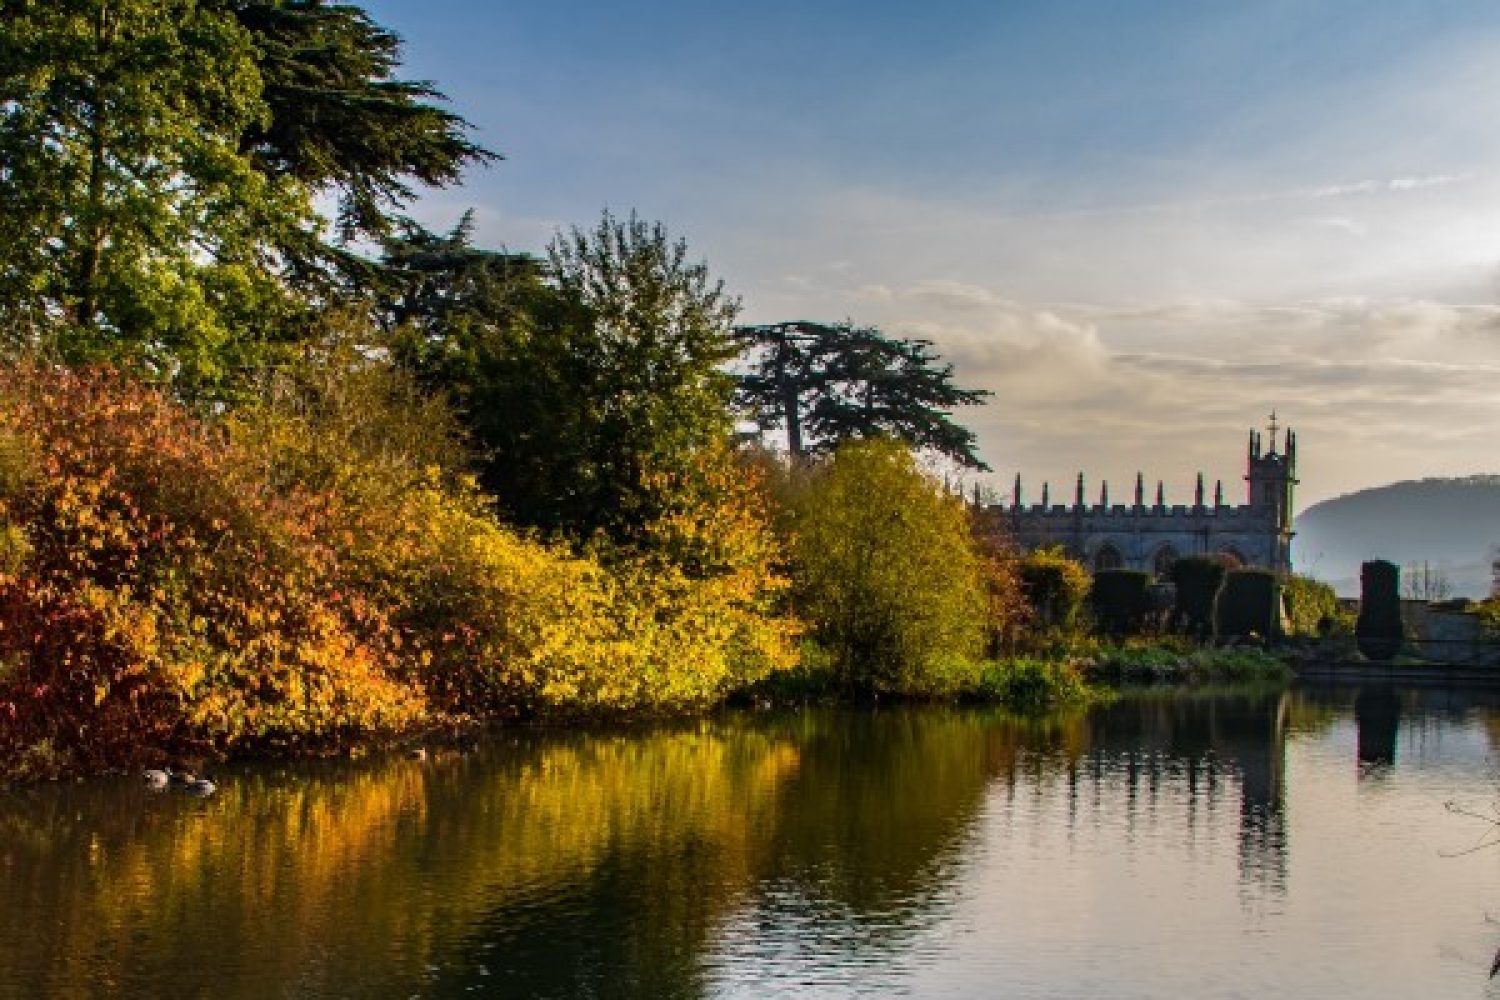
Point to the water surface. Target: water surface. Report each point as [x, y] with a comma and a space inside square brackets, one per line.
[1291, 844]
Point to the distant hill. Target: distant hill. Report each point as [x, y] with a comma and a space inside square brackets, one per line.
[1452, 524]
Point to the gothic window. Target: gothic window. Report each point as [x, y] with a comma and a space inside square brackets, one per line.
[1161, 565]
[1108, 557]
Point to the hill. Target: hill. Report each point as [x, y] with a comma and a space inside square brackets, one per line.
[1451, 524]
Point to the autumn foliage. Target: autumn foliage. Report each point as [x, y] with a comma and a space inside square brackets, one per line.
[295, 578]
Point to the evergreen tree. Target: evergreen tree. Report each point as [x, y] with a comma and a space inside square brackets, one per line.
[339, 119]
[160, 160]
[826, 384]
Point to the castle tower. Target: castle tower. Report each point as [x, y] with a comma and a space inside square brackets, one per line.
[1271, 477]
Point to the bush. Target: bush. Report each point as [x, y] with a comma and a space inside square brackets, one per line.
[1379, 628]
[166, 601]
[1178, 663]
[1055, 587]
[1121, 600]
[503, 624]
[1198, 580]
[886, 572]
[1029, 683]
[1249, 604]
[1314, 608]
[317, 570]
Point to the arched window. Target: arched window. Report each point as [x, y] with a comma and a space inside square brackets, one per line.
[1108, 557]
[1161, 564]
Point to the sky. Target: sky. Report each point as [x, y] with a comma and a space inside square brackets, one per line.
[1142, 225]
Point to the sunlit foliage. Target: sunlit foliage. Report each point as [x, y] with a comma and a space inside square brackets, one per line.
[318, 568]
[887, 573]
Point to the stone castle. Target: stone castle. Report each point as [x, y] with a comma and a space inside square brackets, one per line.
[1151, 536]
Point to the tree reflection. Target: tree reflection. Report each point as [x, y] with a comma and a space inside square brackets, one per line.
[602, 864]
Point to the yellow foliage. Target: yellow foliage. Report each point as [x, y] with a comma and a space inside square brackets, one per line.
[169, 586]
[887, 571]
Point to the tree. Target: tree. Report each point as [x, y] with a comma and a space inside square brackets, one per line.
[161, 158]
[886, 573]
[1425, 582]
[1379, 627]
[439, 293]
[586, 380]
[339, 119]
[826, 384]
[1198, 581]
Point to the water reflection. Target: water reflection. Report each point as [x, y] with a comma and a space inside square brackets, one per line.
[814, 853]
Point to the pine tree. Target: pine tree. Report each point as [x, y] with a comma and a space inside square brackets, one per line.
[826, 384]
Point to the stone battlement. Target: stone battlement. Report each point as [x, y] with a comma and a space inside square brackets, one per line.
[1151, 536]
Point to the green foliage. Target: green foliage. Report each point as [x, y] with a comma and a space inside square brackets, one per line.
[1165, 662]
[1379, 627]
[1198, 580]
[885, 572]
[1055, 587]
[1120, 600]
[448, 304]
[578, 384]
[507, 625]
[1030, 683]
[338, 118]
[161, 160]
[1314, 608]
[1249, 604]
[827, 384]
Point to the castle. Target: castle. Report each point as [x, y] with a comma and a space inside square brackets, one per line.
[1151, 536]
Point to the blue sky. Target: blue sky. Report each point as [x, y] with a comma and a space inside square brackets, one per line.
[1142, 224]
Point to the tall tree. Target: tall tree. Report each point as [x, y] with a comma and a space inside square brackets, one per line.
[339, 118]
[829, 383]
[587, 383]
[439, 292]
[160, 161]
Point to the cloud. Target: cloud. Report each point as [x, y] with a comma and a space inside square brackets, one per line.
[1379, 388]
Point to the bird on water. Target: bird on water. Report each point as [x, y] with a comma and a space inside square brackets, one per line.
[201, 787]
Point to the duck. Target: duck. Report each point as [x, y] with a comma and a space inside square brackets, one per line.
[200, 787]
[157, 778]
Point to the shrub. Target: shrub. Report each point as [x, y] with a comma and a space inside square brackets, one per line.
[1314, 608]
[500, 623]
[1120, 600]
[1055, 587]
[886, 572]
[1249, 604]
[1379, 628]
[1198, 580]
[299, 576]
[165, 601]
[1029, 683]
[1168, 661]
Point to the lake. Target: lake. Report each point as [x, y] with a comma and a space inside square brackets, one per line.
[1167, 845]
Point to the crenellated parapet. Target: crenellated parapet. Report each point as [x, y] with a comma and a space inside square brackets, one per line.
[1150, 535]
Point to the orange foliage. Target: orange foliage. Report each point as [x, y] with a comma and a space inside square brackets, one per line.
[165, 603]
[171, 587]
